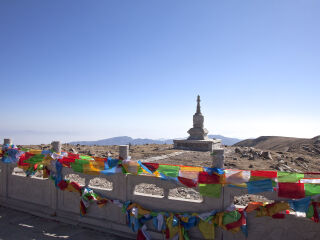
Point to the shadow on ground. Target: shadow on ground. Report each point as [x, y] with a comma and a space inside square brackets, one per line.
[19, 225]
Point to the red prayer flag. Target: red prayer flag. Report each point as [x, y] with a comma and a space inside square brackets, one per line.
[62, 184]
[102, 202]
[140, 235]
[315, 212]
[76, 186]
[278, 215]
[151, 166]
[25, 157]
[187, 182]
[291, 190]
[265, 174]
[205, 177]
[83, 209]
[66, 161]
[72, 155]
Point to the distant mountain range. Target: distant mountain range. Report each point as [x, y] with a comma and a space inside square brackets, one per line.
[140, 141]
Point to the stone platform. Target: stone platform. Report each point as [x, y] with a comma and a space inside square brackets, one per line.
[197, 145]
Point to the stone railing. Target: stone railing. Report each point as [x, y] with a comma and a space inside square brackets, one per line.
[40, 197]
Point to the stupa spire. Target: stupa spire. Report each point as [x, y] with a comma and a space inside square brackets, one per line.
[198, 105]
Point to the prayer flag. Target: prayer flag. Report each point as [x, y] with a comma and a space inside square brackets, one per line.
[187, 182]
[230, 217]
[214, 170]
[210, 190]
[291, 190]
[300, 205]
[312, 189]
[237, 176]
[310, 180]
[289, 177]
[35, 159]
[264, 174]
[260, 186]
[207, 230]
[86, 157]
[205, 177]
[151, 166]
[168, 170]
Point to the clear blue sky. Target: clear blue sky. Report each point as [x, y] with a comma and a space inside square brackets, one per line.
[86, 70]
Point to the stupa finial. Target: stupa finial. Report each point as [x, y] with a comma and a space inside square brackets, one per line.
[198, 105]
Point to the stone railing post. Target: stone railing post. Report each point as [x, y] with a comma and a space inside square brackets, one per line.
[7, 141]
[4, 174]
[123, 155]
[56, 146]
[218, 158]
[124, 152]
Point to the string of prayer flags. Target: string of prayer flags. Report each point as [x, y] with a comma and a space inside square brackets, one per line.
[209, 180]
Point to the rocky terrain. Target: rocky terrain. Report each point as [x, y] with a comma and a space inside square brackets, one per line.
[284, 144]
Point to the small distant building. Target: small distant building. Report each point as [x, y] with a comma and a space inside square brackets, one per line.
[198, 139]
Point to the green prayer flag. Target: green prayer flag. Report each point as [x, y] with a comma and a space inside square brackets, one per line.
[170, 171]
[124, 171]
[35, 159]
[77, 167]
[289, 177]
[139, 170]
[310, 212]
[81, 161]
[230, 217]
[311, 189]
[211, 190]
[86, 157]
[185, 234]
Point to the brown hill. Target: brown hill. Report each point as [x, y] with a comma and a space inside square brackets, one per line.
[284, 144]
